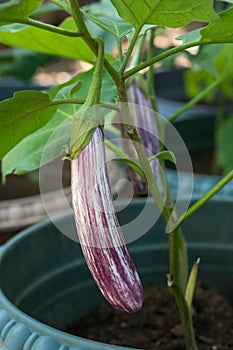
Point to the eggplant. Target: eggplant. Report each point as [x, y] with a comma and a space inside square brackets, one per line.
[99, 231]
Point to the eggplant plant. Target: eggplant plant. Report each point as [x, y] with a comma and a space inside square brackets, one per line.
[80, 109]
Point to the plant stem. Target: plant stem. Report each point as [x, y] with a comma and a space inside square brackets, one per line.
[77, 16]
[130, 50]
[175, 237]
[150, 74]
[159, 57]
[132, 132]
[48, 27]
[195, 100]
[119, 47]
[204, 199]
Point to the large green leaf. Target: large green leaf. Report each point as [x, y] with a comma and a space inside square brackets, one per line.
[167, 13]
[17, 9]
[28, 154]
[22, 115]
[44, 41]
[116, 27]
[35, 150]
[220, 31]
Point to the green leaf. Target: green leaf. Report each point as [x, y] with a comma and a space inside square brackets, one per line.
[191, 285]
[133, 164]
[29, 153]
[108, 90]
[109, 20]
[194, 35]
[22, 115]
[225, 145]
[211, 63]
[164, 155]
[220, 31]
[44, 41]
[17, 9]
[34, 151]
[165, 12]
[115, 26]
[223, 65]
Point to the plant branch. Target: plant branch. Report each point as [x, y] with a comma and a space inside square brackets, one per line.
[129, 50]
[159, 57]
[48, 27]
[77, 16]
[73, 101]
[195, 99]
[204, 199]
[150, 73]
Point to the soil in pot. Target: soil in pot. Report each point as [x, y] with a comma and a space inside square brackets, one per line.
[157, 325]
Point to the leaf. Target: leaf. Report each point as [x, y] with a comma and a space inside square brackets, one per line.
[17, 9]
[22, 115]
[40, 40]
[220, 31]
[134, 164]
[109, 20]
[108, 90]
[164, 155]
[165, 12]
[115, 26]
[223, 65]
[29, 153]
[225, 145]
[32, 152]
[194, 35]
[211, 63]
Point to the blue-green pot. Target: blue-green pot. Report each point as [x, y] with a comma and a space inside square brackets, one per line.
[45, 283]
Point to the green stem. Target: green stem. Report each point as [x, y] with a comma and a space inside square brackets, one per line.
[83, 126]
[115, 149]
[150, 74]
[130, 50]
[119, 46]
[73, 101]
[185, 312]
[175, 237]
[204, 199]
[159, 57]
[77, 16]
[136, 58]
[93, 97]
[195, 100]
[62, 5]
[48, 27]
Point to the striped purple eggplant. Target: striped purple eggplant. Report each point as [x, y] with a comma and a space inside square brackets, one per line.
[99, 231]
[145, 121]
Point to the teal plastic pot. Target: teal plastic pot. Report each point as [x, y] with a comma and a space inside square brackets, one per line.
[196, 126]
[45, 283]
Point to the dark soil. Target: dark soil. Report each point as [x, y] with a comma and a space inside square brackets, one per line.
[157, 325]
